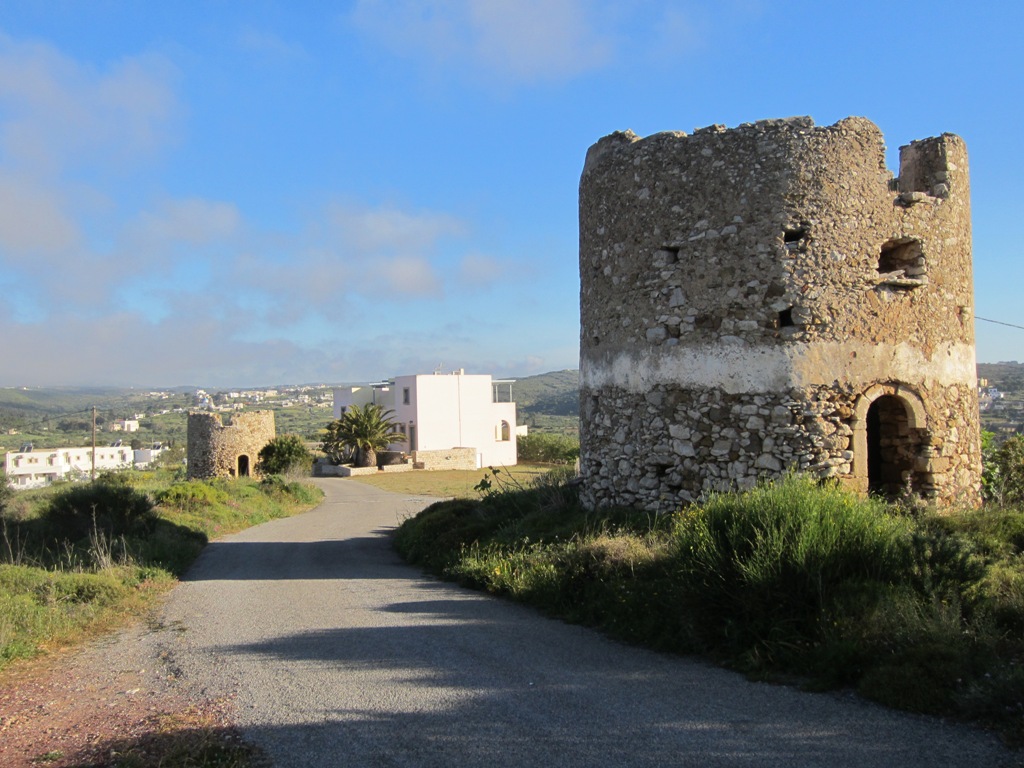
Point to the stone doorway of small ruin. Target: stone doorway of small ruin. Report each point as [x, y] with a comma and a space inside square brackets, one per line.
[243, 466]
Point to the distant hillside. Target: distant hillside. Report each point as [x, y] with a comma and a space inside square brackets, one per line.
[1007, 377]
[553, 394]
[19, 405]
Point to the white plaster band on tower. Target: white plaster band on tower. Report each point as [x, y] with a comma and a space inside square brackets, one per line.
[743, 369]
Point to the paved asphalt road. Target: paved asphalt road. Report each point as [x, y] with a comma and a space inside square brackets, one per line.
[340, 655]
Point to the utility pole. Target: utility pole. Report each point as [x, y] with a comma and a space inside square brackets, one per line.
[94, 443]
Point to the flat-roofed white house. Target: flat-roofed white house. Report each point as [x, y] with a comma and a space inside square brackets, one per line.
[34, 469]
[442, 412]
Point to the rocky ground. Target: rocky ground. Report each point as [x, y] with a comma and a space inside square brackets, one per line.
[115, 702]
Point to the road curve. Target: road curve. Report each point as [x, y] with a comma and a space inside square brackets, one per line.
[338, 654]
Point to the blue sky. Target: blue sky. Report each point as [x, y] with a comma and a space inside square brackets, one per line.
[226, 194]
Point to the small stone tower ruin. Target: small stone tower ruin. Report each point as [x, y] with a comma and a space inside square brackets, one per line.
[227, 450]
[770, 297]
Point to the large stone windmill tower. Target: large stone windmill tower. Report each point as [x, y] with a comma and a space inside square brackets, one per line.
[770, 297]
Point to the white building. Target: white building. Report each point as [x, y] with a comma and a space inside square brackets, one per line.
[439, 412]
[33, 469]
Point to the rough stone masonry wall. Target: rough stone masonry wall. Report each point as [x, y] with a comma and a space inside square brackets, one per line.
[447, 458]
[748, 294]
[214, 448]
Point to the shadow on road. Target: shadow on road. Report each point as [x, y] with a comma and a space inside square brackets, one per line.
[363, 557]
[592, 708]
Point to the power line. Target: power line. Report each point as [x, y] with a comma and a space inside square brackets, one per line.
[999, 322]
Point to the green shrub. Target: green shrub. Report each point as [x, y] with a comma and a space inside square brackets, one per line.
[1003, 470]
[191, 495]
[547, 449]
[284, 454]
[108, 505]
[763, 568]
[280, 488]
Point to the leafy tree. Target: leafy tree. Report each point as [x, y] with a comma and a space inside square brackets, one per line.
[74, 425]
[172, 455]
[332, 446]
[361, 432]
[284, 454]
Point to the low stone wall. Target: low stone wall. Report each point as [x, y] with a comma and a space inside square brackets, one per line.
[348, 471]
[449, 458]
[325, 469]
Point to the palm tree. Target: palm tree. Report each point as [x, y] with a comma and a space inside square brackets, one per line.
[365, 431]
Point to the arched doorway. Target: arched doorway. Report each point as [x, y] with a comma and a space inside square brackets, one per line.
[889, 433]
[243, 466]
[891, 452]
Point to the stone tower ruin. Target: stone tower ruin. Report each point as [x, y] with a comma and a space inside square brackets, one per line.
[770, 297]
[216, 449]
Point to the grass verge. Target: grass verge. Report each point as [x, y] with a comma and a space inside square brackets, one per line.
[459, 484]
[78, 560]
[919, 611]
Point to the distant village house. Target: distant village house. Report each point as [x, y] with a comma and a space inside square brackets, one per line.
[451, 421]
[29, 468]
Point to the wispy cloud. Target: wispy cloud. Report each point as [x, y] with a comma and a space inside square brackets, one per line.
[478, 269]
[521, 41]
[191, 221]
[32, 219]
[269, 44]
[58, 113]
[381, 231]
[62, 121]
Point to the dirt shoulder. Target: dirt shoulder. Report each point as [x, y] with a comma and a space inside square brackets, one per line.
[116, 701]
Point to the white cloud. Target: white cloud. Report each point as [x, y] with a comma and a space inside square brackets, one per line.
[56, 112]
[32, 220]
[477, 269]
[517, 40]
[191, 221]
[533, 40]
[66, 126]
[359, 251]
[407, 276]
[377, 231]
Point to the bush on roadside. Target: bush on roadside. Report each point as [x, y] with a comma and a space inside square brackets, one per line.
[547, 449]
[282, 489]
[110, 505]
[192, 495]
[283, 455]
[762, 570]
